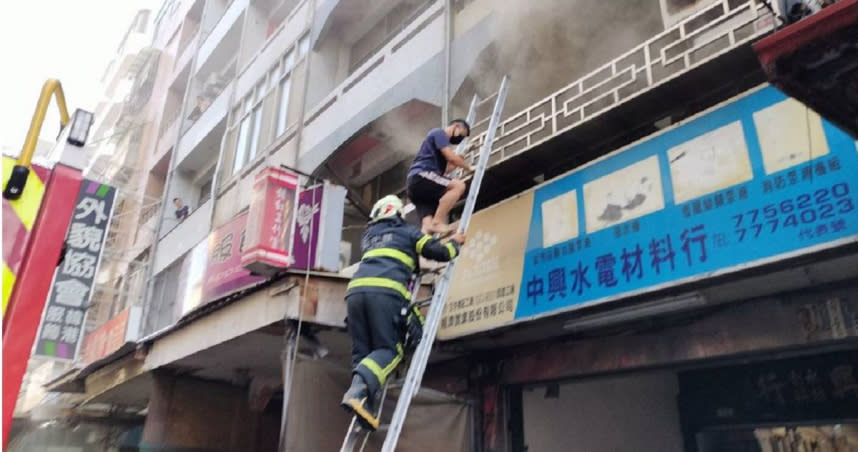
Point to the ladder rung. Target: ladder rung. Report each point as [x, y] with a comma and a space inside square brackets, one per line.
[487, 99]
[423, 302]
[432, 271]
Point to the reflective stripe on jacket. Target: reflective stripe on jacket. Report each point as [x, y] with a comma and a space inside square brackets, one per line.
[391, 249]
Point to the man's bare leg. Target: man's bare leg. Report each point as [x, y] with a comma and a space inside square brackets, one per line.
[426, 224]
[455, 190]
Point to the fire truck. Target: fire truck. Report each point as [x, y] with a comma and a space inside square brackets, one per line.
[38, 203]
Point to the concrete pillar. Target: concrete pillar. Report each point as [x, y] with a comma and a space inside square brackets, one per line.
[187, 414]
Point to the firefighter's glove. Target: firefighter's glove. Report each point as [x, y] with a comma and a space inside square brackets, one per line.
[414, 325]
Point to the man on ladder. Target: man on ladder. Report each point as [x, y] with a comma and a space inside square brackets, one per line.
[432, 193]
[378, 301]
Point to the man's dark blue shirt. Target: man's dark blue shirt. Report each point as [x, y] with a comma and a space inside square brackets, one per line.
[429, 157]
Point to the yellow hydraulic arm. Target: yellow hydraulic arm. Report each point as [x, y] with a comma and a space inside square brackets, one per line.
[14, 187]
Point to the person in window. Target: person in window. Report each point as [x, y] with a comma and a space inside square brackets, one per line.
[181, 209]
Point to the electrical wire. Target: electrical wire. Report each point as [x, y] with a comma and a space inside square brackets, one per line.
[291, 353]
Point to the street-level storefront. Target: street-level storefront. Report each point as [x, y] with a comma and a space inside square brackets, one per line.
[707, 381]
[797, 404]
[586, 303]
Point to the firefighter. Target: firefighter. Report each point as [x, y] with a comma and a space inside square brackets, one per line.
[432, 193]
[378, 299]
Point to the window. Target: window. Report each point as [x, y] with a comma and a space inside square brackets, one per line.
[272, 77]
[258, 91]
[206, 191]
[304, 46]
[254, 136]
[241, 145]
[383, 31]
[288, 61]
[283, 106]
[263, 114]
[236, 115]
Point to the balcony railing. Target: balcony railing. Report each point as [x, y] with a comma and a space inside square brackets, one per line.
[179, 237]
[167, 137]
[371, 64]
[183, 57]
[208, 94]
[711, 32]
[287, 33]
[213, 36]
[372, 81]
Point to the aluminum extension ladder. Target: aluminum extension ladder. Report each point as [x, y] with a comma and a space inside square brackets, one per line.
[414, 377]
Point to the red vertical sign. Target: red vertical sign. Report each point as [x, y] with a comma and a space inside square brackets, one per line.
[34, 282]
[269, 223]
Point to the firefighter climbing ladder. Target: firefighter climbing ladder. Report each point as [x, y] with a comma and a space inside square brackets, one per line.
[414, 377]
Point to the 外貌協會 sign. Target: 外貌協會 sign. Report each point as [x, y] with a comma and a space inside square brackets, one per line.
[62, 324]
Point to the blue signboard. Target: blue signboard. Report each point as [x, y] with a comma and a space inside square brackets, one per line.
[753, 180]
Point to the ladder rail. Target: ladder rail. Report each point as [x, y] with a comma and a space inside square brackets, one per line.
[460, 149]
[420, 359]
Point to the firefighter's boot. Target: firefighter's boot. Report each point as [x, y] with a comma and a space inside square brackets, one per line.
[357, 401]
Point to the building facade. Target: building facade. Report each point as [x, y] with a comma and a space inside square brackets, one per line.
[609, 298]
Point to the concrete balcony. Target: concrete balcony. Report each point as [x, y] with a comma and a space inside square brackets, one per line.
[179, 239]
[682, 65]
[199, 132]
[220, 31]
[130, 50]
[166, 140]
[169, 20]
[295, 25]
[183, 59]
[395, 74]
[146, 232]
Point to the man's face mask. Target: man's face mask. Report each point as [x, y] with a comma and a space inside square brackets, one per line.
[457, 138]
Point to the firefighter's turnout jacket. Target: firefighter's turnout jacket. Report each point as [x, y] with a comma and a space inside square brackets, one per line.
[391, 249]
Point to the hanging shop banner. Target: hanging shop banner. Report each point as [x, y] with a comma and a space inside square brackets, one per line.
[112, 335]
[755, 180]
[319, 228]
[61, 332]
[213, 268]
[485, 286]
[19, 215]
[269, 224]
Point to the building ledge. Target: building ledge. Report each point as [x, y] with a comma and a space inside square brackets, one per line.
[814, 61]
[74, 379]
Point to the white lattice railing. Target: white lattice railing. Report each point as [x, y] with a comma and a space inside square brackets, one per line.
[715, 30]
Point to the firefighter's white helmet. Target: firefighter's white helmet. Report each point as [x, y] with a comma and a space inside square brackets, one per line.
[387, 207]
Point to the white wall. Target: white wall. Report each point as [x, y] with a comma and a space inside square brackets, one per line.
[614, 414]
[255, 27]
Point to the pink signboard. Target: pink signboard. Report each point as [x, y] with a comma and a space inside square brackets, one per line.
[213, 269]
